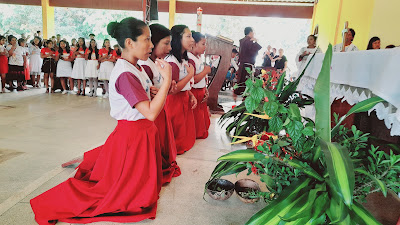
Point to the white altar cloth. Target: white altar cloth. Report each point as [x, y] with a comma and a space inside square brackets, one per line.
[356, 76]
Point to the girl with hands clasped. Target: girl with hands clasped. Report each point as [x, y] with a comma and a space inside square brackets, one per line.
[92, 67]
[64, 57]
[161, 39]
[199, 90]
[78, 71]
[119, 181]
[181, 102]
[107, 59]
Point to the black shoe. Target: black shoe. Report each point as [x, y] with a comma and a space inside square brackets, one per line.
[19, 88]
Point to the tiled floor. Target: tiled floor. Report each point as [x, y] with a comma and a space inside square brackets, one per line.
[47, 130]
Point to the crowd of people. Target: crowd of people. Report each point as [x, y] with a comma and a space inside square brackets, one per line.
[58, 61]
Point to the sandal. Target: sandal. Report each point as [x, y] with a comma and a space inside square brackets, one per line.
[79, 92]
[83, 92]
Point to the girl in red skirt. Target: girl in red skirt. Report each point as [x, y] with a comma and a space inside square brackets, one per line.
[120, 180]
[3, 64]
[161, 39]
[180, 103]
[199, 89]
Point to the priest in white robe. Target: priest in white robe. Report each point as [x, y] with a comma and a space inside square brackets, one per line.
[348, 42]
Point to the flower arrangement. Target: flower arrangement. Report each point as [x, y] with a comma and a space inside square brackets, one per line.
[315, 174]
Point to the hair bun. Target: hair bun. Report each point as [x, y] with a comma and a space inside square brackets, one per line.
[111, 28]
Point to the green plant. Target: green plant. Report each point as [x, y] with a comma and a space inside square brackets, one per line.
[267, 93]
[315, 174]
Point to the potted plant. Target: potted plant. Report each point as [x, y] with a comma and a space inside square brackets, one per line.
[315, 174]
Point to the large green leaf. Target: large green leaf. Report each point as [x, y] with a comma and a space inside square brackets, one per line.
[381, 185]
[251, 104]
[362, 106]
[292, 86]
[306, 209]
[226, 168]
[340, 168]
[249, 155]
[275, 124]
[246, 155]
[337, 211]
[322, 99]
[360, 215]
[294, 112]
[289, 197]
[280, 84]
[295, 129]
[271, 108]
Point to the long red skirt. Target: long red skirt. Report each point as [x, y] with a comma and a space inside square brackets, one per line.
[168, 147]
[118, 181]
[180, 112]
[201, 118]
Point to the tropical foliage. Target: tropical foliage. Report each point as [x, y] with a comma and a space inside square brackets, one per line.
[315, 174]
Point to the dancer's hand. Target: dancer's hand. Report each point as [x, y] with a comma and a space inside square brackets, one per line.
[173, 87]
[153, 91]
[165, 69]
[190, 69]
[206, 95]
[193, 101]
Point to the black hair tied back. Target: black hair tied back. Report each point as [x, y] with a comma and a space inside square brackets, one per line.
[111, 28]
[128, 28]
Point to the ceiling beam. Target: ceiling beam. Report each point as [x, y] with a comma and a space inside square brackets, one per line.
[209, 7]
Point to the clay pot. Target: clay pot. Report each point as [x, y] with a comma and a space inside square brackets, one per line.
[244, 188]
[220, 189]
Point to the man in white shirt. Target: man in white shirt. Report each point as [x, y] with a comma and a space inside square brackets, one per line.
[348, 42]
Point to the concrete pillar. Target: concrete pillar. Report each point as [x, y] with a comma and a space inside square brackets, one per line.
[330, 17]
[172, 11]
[48, 19]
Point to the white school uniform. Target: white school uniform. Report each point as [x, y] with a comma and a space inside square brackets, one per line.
[157, 78]
[106, 67]
[182, 71]
[120, 108]
[91, 67]
[64, 68]
[35, 61]
[199, 68]
[78, 71]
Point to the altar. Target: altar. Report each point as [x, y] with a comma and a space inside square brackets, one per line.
[356, 76]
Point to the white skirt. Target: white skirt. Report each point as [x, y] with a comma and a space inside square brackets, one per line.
[64, 68]
[78, 72]
[105, 70]
[91, 69]
[35, 64]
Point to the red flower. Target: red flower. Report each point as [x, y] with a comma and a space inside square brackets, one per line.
[254, 170]
[291, 158]
[233, 106]
[266, 99]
